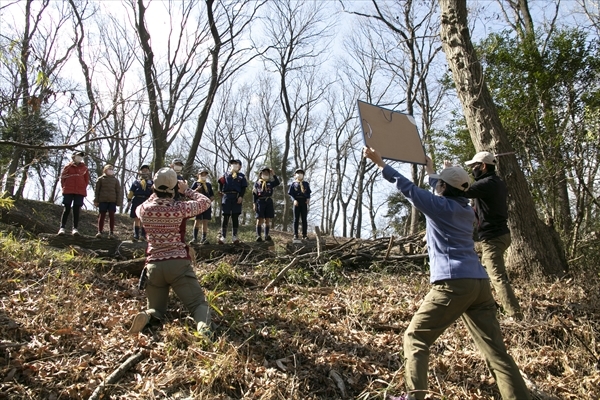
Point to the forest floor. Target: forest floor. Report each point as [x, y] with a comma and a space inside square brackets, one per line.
[323, 332]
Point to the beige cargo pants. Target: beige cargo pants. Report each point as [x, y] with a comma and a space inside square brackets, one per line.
[179, 275]
[471, 300]
[492, 258]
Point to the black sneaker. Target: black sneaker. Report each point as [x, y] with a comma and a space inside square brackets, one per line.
[304, 237]
[268, 238]
[135, 238]
[259, 239]
[204, 241]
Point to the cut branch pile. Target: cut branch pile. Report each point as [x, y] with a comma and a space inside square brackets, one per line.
[352, 254]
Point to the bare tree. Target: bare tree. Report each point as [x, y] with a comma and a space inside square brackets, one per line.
[532, 249]
[41, 55]
[408, 50]
[297, 33]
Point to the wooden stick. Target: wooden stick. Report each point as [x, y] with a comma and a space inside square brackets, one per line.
[118, 373]
[283, 271]
[319, 241]
[389, 248]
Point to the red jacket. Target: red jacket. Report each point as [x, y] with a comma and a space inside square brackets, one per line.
[75, 179]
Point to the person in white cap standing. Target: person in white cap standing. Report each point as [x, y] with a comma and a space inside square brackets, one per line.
[489, 193]
[168, 260]
[461, 288]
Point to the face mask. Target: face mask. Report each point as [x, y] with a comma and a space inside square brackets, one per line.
[235, 167]
[202, 179]
[177, 168]
[439, 189]
[265, 177]
[477, 172]
[299, 176]
[109, 172]
[77, 159]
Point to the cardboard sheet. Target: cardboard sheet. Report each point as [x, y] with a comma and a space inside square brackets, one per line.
[393, 134]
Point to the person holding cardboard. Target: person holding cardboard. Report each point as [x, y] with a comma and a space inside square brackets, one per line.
[460, 285]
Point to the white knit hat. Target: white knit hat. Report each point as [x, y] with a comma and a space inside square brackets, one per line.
[165, 180]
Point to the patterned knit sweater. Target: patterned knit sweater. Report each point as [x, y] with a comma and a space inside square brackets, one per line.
[162, 217]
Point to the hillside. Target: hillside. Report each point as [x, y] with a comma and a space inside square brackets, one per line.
[326, 331]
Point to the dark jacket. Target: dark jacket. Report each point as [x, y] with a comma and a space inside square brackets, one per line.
[108, 190]
[490, 193]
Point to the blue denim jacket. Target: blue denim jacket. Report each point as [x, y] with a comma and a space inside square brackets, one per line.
[449, 230]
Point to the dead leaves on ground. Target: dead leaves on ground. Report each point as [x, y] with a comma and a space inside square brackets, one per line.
[63, 330]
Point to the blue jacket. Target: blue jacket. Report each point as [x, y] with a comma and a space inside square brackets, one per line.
[197, 186]
[258, 192]
[140, 191]
[296, 193]
[449, 230]
[232, 188]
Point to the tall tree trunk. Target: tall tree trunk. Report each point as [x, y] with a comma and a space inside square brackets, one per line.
[212, 89]
[24, 92]
[159, 136]
[533, 251]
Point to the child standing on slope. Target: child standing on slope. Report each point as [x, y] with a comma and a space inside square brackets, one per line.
[300, 193]
[203, 187]
[262, 195]
[109, 196]
[140, 191]
[74, 180]
[232, 186]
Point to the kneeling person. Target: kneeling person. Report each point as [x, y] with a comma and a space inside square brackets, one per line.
[168, 261]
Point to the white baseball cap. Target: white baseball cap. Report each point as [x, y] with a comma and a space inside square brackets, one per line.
[455, 177]
[483, 157]
[165, 180]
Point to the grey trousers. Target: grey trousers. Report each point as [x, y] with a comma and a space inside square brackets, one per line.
[471, 300]
[179, 275]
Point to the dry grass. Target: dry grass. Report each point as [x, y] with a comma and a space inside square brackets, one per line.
[63, 330]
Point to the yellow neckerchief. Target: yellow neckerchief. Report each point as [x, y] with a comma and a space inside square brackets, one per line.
[143, 183]
[301, 185]
[263, 184]
[234, 174]
[204, 187]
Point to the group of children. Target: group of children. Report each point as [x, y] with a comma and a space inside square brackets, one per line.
[232, 186]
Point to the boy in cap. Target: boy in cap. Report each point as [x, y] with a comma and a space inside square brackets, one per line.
[489, 193]
[74, 180]
[232, 186]
[140, 191]
[168, 261]
[461, 287]
[262, 195]
[205, 188]
[300, 191]
[108, 196]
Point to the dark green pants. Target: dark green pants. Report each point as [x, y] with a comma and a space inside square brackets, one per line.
[179, 275]
[492, 258]
[471, 300]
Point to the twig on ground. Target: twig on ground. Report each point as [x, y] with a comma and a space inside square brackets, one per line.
[118, 373]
